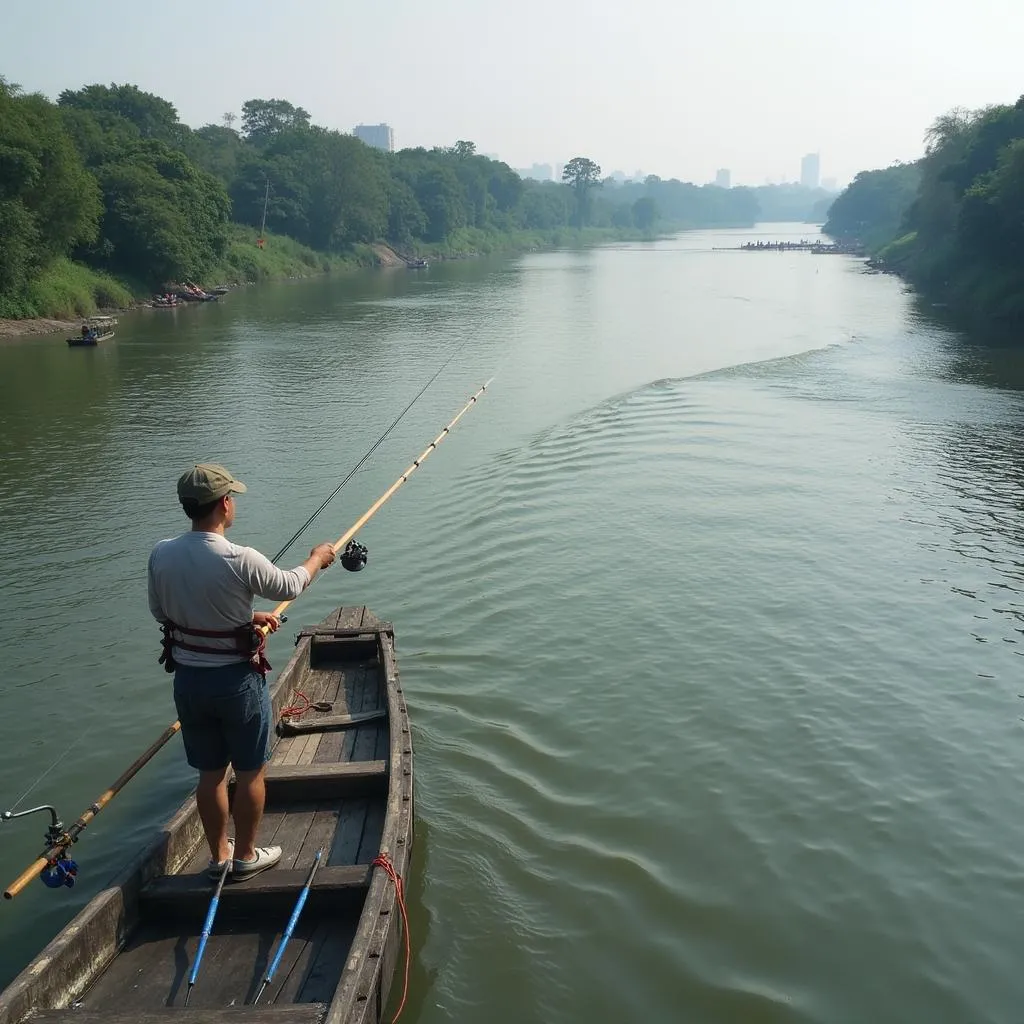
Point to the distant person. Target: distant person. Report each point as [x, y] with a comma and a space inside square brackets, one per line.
[201, 590]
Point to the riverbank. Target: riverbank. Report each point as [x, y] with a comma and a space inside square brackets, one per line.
[62, 307]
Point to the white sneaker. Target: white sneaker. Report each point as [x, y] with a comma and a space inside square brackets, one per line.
[266, 857]
[217, 866]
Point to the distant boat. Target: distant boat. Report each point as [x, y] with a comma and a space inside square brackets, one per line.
[417, 264]
[98, 328]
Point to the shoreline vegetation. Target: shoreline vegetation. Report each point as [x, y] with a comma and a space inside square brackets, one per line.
[950, 224]
[107, 200]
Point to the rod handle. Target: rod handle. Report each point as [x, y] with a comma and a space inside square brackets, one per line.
[24, 878]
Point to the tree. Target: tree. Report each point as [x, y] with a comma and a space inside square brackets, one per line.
[582, 175]
[406, 219]
[48, 200]
[871, 210]
[262, 120]
[153, 117]
[165, 219]
[645, 213]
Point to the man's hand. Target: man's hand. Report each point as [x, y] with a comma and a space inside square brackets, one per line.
[325, 552]
[268, 619]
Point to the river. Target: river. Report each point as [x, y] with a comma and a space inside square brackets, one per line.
[710, 614]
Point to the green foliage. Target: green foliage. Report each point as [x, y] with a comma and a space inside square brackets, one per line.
[164, 218]
[683, 204]
[67, 290]
[582, 175]
[645, 213]
[871, 210]
[957, 229]
[282, 257]
[264, 120]
[110, 177]
[48, 201]
[151, 116]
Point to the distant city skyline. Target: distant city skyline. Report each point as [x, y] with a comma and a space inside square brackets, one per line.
[770, 100]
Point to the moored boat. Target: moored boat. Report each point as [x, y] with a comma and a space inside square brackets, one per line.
[340, 781]
[98, 328]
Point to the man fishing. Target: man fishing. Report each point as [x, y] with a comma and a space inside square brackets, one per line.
[201, 590]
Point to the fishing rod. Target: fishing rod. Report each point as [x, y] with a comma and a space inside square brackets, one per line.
[58, 841]
[345, 540]
[292, 921]
[362, 462]
[207, 927]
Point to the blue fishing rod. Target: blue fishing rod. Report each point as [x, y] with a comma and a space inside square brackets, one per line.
[207, 927]
[292, 921]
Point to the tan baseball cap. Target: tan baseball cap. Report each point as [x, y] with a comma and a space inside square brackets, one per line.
[207, 482]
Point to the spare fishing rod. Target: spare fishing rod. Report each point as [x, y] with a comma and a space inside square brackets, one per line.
[211, 913]
[58, 841]
[268, 978]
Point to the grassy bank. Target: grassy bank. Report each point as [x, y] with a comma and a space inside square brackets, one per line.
[467, 242]
[282, 257]
[66, 291]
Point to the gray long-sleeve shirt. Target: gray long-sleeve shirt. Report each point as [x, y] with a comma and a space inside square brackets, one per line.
[203, 581]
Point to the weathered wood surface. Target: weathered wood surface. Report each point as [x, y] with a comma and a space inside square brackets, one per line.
[177, 890]
[362, 994]
[350, 770]
[294, 1013]
[320, 722]
[325, 781]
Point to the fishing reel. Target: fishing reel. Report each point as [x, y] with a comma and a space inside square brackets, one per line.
[354, 557]
[55, 833]
[57, 873]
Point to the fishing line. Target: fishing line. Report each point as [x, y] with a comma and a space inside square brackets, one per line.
[60, 757]
[359, 465]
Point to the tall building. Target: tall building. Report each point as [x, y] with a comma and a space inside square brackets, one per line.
[723, 178]
[380, 136]
[539, 172]
[810, 170]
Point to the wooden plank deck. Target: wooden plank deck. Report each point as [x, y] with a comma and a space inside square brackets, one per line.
[338, 812]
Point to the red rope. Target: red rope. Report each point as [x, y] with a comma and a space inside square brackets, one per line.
[295, 710]
[384, 861]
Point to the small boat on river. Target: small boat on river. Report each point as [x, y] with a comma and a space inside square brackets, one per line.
[340, 781]
[98, 328]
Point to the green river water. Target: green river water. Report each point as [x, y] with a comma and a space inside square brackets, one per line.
[710, 615]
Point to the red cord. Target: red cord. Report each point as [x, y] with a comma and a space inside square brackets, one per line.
[295, 710]
[384, 861]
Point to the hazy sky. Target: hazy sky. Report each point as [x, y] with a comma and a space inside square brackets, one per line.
[671, 87]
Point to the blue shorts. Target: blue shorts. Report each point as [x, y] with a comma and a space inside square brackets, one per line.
[225, 716]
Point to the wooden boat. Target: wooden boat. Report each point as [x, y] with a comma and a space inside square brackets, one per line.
[100, 329]
[341, 780]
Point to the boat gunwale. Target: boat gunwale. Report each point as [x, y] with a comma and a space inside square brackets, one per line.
[362, 992]
[73, 961]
